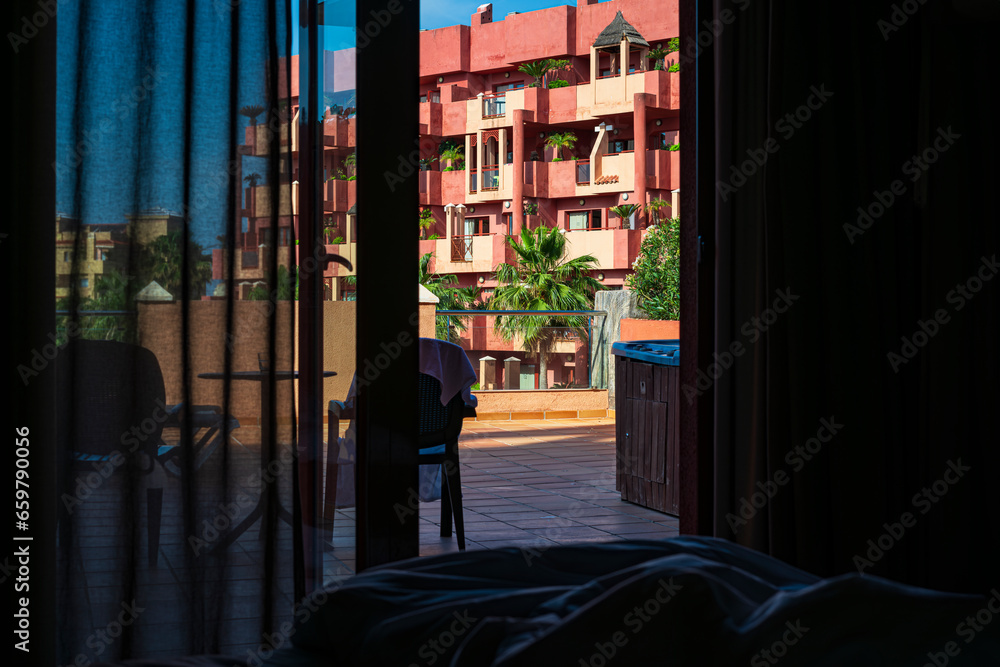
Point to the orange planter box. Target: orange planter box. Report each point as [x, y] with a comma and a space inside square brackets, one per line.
[650, 330]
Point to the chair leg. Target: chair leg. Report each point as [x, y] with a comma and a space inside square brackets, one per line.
[154, 512]
[330, 491]
[445, 502]
[454, 476]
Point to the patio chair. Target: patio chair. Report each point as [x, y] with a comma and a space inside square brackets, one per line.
[112, 397]
[440, 426]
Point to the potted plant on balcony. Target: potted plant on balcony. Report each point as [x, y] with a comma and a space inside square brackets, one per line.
[425, 221]
[251, 111]
[559, 141]
[426, 162]
[657, 56]
[656, 282]
[454, 156]
[543, 278]
[656, 208]
[540, 69]
[625, 212]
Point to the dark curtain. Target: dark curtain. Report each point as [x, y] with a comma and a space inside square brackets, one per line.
[171, 126]
[857, 307]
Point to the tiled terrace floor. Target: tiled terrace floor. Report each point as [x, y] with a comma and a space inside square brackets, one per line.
[528, 484]
[525, 483]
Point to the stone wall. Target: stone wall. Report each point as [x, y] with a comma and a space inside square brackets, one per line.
[619, 304]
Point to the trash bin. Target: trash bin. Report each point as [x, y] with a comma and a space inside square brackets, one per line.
[647, 404]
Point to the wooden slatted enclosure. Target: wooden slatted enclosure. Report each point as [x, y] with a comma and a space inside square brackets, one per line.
[646, 433]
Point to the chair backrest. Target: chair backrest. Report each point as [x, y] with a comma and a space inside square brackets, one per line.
[109, 397]
[439, 424]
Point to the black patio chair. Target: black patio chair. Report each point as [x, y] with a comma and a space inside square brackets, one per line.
[440, 426]
[111, 410]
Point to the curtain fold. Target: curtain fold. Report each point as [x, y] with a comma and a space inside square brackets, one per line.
[176, 416]
[852, 210]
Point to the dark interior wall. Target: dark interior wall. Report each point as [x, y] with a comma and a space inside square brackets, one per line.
[891, 326]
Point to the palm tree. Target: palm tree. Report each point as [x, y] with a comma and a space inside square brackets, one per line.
[252, 111]
[657, 55]
[559, 141]
[253, 179]
[453, 155]
[450, 297]
[543, 279]
[540, 68]
[625, 212]
[161, 260]
[425, 221]
[656, 208]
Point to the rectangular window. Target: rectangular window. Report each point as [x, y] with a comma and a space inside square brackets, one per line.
[584, 220]
[621, 146]
[477, 226]
[504, 87]
[84, 282]
[283, 236]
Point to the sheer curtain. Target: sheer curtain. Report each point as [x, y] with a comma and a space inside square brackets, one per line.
[174, 191]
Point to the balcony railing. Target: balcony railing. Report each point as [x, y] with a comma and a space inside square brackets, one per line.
[473, 180]
[494, 105]
[583, 172]
[570, 347]
[461, 248]
[491, 177]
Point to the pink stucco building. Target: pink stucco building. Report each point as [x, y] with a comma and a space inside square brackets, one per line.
[620, 104]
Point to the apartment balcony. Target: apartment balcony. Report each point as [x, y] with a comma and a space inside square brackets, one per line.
[430, 118]
[340, 195]
[257, 138]
[339, 132]
[430, 187]
[663, 170]
[613, 248]
[288, 203]
[467, 253]
[582, 102]
[609, 174]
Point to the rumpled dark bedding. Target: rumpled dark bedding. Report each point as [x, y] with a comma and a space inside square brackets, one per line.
[684, 601]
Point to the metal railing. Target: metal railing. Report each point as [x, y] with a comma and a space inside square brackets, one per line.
[473, 180]
[583, 172]
[513, 352]
[494, 105]
[491, 177]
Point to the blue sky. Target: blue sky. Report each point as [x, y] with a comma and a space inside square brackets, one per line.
[433, 14]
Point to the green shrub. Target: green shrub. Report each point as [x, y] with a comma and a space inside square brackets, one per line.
[656, 277]
[558, 83]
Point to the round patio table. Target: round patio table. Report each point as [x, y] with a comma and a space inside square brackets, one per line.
[265, 427]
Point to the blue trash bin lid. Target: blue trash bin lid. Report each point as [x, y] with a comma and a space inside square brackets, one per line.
[660, 352]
